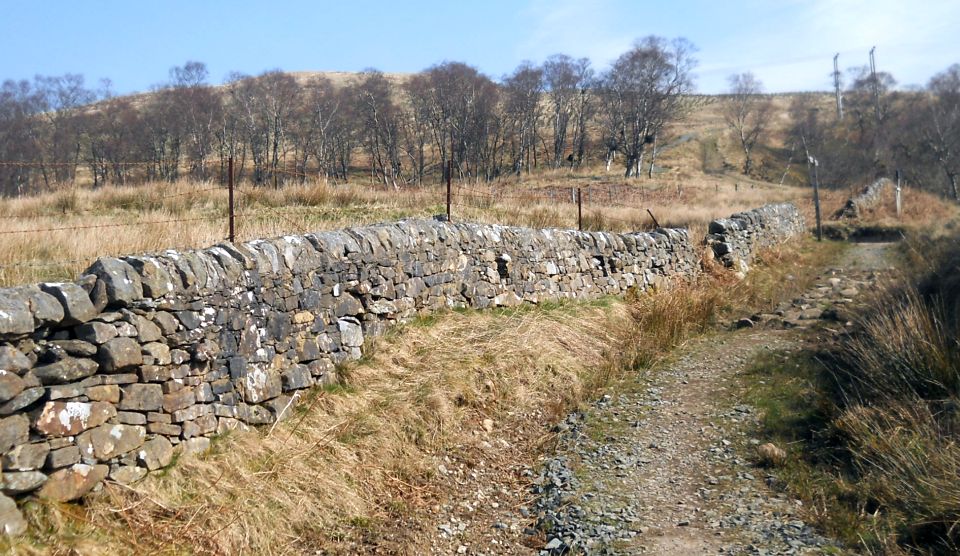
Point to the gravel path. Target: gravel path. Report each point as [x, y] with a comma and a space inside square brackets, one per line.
[667, 468]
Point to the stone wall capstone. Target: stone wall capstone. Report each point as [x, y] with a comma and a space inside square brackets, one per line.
[142, 356]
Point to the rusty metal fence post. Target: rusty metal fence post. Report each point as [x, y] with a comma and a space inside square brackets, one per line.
[230, 193]
[449, 179]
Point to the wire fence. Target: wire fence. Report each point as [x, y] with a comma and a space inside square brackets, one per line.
[226, 208]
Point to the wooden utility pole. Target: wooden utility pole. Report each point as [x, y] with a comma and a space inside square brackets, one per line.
[876, 84]
[836, 86]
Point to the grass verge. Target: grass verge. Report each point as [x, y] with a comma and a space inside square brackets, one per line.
[870, 420]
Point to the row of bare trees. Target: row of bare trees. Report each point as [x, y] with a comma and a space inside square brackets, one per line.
[279, 127]
[882, 130]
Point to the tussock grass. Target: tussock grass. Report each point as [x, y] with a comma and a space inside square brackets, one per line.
[874, 419]
[354, 457]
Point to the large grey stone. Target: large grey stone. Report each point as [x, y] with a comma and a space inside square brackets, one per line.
[159, 352]
[168, 323]
[96, 332]
[73, 482]
[24, 308]
[62, 457]
[109, 441]
[69, 418]
[26, 457]
[24, 399]
[180, 399]
[77, 307]
[123, 285]
[77, 348]
[11, 520]
[351, 334]
[65, 370]
[296, 377]
[141, 397]
[15, 315]
[13, 360]
[119, 354]
[203, 425]
[156, 453]
[10, 385]
[260, 384]
[103, 393]
[20, 482]
[14, 430]
[154, 278]
[147, 331]
[128, 474]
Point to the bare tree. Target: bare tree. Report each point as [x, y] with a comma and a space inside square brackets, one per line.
[747, 111]
[60, 101]
[381, 119]
[942, 132]
[567, 82]
[642, 92]
[522, 92]
[199, 107]
[462, 104]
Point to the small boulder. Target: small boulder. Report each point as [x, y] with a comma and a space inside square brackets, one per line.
[69, 418]
[65, 370]
[14, 430]
[77, 348]
[351, 334]
[771, 454]
[10, 385]
[296, 378]
[156, 453]
[122, 283]
[77, 307]
[96, 332]
[142, 397]
[21, 482]
[13, 360]
[108, 441]
[11, 520]
[73, 482]
[196, 446]
[23, 399]
[119, 354]
[26, 457]
[128, 474]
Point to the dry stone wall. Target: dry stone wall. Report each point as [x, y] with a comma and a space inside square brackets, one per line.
[870, 197]
[145, 355]
[737, 239]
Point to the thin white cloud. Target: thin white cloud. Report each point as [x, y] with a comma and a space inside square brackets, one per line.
[579, 28]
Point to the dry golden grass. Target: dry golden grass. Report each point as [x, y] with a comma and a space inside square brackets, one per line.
[80, 224]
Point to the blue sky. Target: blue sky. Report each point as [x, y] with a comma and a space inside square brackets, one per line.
[788, 44]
